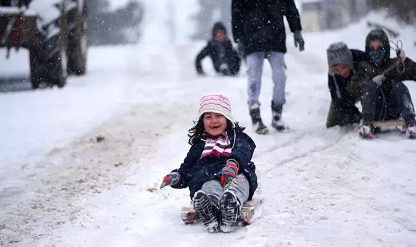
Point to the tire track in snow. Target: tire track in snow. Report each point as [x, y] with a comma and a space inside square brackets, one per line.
[300, 156]
[294, 142]
[284, 144]
[83, 169]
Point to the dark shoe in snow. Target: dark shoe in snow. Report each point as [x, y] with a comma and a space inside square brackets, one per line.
[260, 128]
[410, 132]
[279, 125]
[258, 125]
[277, 121]
[230, 209]
[204, 209]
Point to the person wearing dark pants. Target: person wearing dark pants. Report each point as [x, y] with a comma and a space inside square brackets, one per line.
[379, 84]
[388, 104]
[342, 64]
[258, 28]
[224, 58]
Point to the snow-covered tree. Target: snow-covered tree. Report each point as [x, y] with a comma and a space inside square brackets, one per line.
[114, 27]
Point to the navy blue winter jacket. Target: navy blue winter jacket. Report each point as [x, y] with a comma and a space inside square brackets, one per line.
[194, 172]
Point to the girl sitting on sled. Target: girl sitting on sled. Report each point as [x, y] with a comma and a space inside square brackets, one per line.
[218, 168]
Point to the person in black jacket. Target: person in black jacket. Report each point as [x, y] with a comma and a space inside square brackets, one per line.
[343, 63]
[217, 169]
[258, 27]
[224, 58]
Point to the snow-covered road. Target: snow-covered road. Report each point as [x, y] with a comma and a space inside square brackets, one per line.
[59, 187]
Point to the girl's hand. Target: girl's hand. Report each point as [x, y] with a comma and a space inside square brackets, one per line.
[229, 172]
[171, 179]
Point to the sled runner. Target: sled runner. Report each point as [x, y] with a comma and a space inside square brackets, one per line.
[248, 210]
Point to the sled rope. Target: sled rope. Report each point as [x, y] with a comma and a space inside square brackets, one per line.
[399, 64]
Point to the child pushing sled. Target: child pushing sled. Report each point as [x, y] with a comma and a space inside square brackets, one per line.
[217, 169]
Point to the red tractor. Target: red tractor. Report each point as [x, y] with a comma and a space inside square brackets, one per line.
[54, 31]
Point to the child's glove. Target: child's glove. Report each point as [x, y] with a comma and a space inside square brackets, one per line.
[379, 79]
[229, 172]
[171, 179]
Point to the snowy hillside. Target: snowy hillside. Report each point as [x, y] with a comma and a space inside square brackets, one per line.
[60, 187]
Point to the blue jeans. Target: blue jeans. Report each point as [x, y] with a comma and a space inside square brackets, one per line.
[255, 70]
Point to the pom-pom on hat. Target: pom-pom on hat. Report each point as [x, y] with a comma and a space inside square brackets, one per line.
[218, 103]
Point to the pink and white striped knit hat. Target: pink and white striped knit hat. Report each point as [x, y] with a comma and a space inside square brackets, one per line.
[217, 103]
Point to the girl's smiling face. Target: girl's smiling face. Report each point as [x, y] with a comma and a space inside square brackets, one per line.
[214, 123]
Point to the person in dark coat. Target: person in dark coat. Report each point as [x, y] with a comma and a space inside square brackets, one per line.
[217, 169]
[212, 10]
[258, 28]
[224, 58]
[343, 63]
[378, 83]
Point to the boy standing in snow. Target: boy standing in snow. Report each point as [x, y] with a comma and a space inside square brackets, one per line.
[224, 58]
[218, 168]
[258, 26]
[379, 84]
[343, 63]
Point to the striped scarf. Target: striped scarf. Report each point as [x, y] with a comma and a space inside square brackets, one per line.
[216, 147]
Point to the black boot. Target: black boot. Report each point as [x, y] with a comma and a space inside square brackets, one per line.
[277, 121]
[204, 209]
[258, 125]
[230, 209]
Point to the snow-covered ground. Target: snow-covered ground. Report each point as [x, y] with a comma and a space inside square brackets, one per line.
[60, 187]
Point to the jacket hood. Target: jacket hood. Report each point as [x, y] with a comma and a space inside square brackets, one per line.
[218, 26]
[378, 34]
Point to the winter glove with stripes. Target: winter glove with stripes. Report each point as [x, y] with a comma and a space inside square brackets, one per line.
[171, 179]
[229, 172]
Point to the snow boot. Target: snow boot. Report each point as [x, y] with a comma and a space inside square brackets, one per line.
[205, 210]
[258, 125]
[230, 209]
[277, 121]
[410, 132]
[366, 130]
[410, 129]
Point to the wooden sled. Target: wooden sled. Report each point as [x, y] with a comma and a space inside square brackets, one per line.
[249, 209]
[389, 126]
[389, 123]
